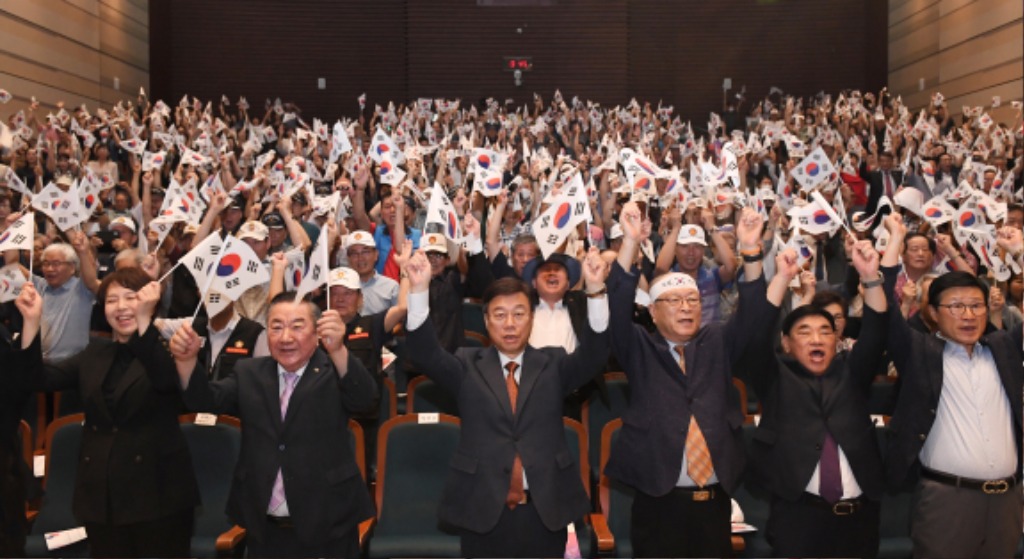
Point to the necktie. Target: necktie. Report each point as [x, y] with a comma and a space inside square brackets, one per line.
[277, 493]
[698, 457]
[819, 261]
[830, 478]
[888, 183]
[515, 488]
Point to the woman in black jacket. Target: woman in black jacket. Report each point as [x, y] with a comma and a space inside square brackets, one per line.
[135, 490]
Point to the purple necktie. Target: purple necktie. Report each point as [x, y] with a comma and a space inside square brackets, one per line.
[277, 493]
[830, 478]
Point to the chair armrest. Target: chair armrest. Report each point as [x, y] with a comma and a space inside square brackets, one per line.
[738, 543]
[229, 541]
[365, 528]
[605, 539]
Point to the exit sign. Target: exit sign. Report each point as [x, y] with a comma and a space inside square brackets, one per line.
[513, 63]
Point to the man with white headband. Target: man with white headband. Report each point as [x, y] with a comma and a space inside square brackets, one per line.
[681, 445]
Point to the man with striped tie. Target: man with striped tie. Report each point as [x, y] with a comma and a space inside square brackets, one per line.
[681, 445]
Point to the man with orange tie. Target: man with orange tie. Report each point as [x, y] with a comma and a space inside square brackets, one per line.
[514, 486]
[681, 444]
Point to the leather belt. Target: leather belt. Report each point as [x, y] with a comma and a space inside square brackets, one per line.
[989, 486]
[280, 521]
[705, 493]
[844, 507]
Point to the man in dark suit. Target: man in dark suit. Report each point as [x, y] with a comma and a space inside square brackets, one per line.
[297, 489]
[956, 431]
[881, 181]
[815, 448]
[513, 487]
[681, 445]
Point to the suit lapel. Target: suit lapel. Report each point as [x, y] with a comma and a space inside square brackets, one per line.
[92, 384]
[488, 366]
[534, 362]
[271, 389]
[935, 369]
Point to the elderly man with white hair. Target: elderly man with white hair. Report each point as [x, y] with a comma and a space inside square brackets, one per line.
[681, 445]
[68, 287]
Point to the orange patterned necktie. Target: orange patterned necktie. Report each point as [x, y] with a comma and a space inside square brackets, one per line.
[698, 457]
[515, 488]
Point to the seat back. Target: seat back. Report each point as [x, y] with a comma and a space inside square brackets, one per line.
[214, 449]
[426, 396]
[597, 412]
[576, 439]
[25, 432]
[413, 458]
[894, 526]
[473, 317]
[63, 443]
[755, 502]
[616, 499]
[475, 339]
[358, 444]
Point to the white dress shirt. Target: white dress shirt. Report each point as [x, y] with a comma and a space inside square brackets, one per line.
[973, 431]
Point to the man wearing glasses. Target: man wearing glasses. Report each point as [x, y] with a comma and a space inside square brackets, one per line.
[956, 431]
[67, 298]
[681, 444]
[513, 487]
[380, 292]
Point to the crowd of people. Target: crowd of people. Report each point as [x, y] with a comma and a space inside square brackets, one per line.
[209, 257]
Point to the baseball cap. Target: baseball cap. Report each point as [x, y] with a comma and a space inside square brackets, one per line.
[615, 233]
[435, 242]
[234, 203]
[359, 238]
[273, 220]
[123, 221]
[345, 277]
[691, 234]
[571, 265]
[253, 230]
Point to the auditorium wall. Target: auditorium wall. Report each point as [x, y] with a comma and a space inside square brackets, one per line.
[970, 50]
[606, 50]
[73, 50]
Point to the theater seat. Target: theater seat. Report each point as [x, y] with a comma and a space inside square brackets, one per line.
[598, 410]
[426, 396]
[214, 450]
[412, 461]
[63, 440]
[612, 525]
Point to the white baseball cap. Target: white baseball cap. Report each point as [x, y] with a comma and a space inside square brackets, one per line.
[253, 230]
[123, 221]
[345, 277]
[356, 238]
[435, 242]
[691, 234]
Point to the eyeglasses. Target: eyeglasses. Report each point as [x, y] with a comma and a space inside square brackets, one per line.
[677, 302]
[959, 309]
[52, 263]
[517, 317]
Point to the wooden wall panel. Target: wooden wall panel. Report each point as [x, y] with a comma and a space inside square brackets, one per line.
[970, 52]
[72, 50]
[605, 50]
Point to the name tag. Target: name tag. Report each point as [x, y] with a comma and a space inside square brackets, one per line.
[359, 336]
[238, 350]
[423, 418]
[206, 419]
[64, 538]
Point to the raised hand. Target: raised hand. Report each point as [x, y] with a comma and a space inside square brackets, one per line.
[595, 270]
[865, 260]
[30, 305]
[631, 221]
[149, 298]
[185, 344]
[1011, 239]
[331, 330]
[749, 228]
[403, 254]
[786, 264]
[418, 270]
[471, 226]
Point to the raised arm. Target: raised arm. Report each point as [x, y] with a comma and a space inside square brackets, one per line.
[359, 392]
[723, 251]
[86, 258]
[424, 349]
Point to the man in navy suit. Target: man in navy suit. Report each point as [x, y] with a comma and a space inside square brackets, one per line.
[297, 489]
[514, 486]
[681, 445]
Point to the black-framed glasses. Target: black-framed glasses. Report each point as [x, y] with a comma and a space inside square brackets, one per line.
[959, 309]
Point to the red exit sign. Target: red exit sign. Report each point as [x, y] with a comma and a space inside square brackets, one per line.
[524, 63]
